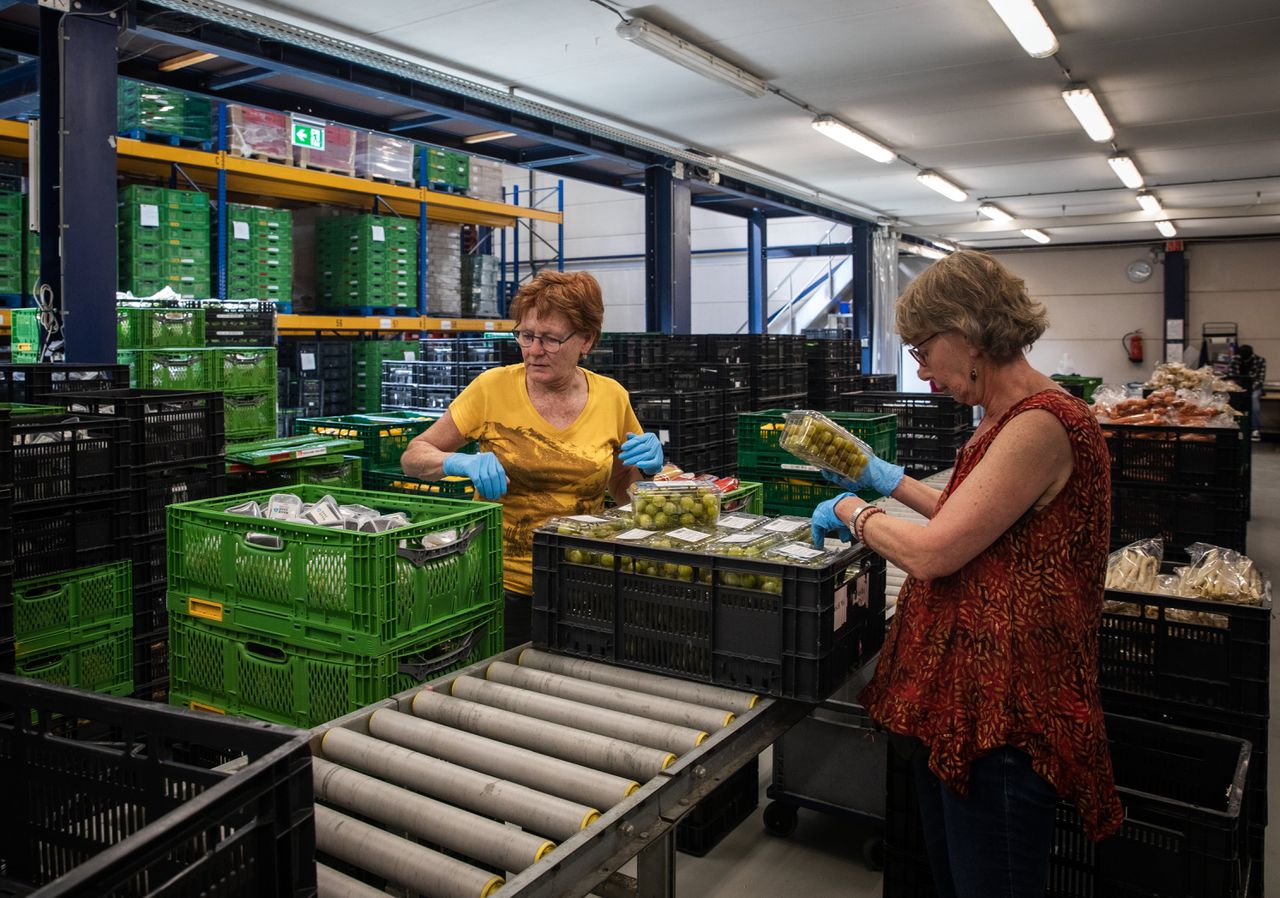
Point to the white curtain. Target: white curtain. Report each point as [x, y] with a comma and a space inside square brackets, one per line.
[886, 347]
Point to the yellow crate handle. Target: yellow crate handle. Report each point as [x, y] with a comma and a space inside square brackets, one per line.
[204, 609]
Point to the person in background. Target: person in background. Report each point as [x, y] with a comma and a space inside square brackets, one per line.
[987, 680]
[1245, 363]
[553, 436]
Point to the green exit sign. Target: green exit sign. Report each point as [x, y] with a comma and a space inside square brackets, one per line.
[308, 135]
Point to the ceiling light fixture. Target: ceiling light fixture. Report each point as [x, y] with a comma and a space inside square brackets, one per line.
[944, 245]
[1037, 236]
[854, 140]
[675, 48]
[1029, 27]
[1126, 171]
[1084, 105]
[1149, 201]
[195, 57]
[1166, 228]
[935, 181]
[486, 136]
[917, 249]
[994, 212]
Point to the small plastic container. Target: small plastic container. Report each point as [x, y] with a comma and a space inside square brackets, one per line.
[741, 521]
[802, 554]
[686, 539]
[817, 439]
[788, 527]
[674, 504]
[746, 544]
[601, 526]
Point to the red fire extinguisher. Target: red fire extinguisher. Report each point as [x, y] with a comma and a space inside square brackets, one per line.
[1132, 343]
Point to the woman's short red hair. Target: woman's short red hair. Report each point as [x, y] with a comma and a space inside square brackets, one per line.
[574, 294]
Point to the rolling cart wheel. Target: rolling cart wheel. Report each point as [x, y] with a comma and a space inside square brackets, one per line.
[781, 819]
[873, 853]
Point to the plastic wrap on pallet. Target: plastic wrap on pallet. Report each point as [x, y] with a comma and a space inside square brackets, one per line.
[384, 158]
[338, 155]
[258, 132]
[486, 180]
[444, 268]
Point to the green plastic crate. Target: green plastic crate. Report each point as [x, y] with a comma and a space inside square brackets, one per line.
[758, 434]
[244, 368]
[748, 497]
[334, 589]
[385, 436]
[103, 662]
[798, 496]
[1079, 385]
[342, 471]
[60, 609]
[25, 408]
[255, 675]
[249, 415]
[138, 328]
[281, 450]
[393, 480]
[170, 369]
[24, 335]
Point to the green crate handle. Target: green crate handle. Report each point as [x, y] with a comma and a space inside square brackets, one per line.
[245, 358]
[44, 664]
[47, 592]
[419, 557]
[178, 361]
[423, 672]
[270, 654]
[268, 542]
[185, 317]
[243, 402]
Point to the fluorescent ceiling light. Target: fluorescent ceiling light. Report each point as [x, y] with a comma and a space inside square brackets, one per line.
[994, 212]
[1037, 236]
[854, 140]
[1126, 171]
[195, 57]
[692, 57]
[1166, 228]
[1082, 102]
[485, 136]
[944, 245]
[935, 181]
[1029, 27]
[917, 249]
[1149, 201]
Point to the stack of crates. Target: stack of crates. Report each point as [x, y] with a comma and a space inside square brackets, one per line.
[321, 375]
[444, 368]
[239, 322]
[259, 253]
[792, 485]
[12, 228]
[31, 252]
[833, 365]
[366, 262]
[299, 624]
[24, 335]
[480, 275]
[294, 460]
[780, 373]
[6, 540]
[164, 241]
[689, 423]
[931, 426]
[444, 269]
[448, 169]
[177, 440]
[147, 110]
[367, 357]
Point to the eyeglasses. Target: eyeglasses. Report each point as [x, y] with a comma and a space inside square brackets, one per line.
[549, 344]
[915, 350]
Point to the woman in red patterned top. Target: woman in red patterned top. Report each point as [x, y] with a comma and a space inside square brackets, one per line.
[989, 671]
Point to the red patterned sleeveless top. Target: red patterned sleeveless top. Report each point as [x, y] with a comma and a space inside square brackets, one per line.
[1005, 650]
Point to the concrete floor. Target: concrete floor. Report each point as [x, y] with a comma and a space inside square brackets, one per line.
[823, 856]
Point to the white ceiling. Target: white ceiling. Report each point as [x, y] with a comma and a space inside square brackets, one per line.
[1191, 86]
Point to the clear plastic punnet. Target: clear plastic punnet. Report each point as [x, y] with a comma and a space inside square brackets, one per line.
[673, 504]
[801, 553]
[788, 526]
[605, 525]
[823, 443]
[744, 544]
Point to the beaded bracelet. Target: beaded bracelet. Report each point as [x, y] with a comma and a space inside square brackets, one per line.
[861, 522]
[859, 512]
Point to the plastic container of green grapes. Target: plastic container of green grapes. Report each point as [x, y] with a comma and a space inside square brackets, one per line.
[815, 438]
[741, 521]
[787, 527]
[670, 505]
[802, 554]
[602, 526]
[745, 544]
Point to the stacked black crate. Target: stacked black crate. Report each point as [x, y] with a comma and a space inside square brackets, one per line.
[6, 543]
[931, 426]
[731, 355]
[177, 443]
[689, 423]
[239, 322]
[444, 368]
[320, 372]
[637, 361]
[780, 374]
[834, 365]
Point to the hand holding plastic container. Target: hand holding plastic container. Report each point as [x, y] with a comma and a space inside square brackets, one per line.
[842, 457]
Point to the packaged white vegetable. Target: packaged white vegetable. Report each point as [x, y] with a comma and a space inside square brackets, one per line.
[282, 506]
[248, 509]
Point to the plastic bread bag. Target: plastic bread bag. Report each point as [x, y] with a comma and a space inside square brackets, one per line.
[1135, 567]
[1224, 575]
[821, 442]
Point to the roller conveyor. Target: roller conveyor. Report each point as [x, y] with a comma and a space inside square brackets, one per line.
[527, 774]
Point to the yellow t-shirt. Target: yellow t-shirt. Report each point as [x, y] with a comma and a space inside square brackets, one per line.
[549, 471]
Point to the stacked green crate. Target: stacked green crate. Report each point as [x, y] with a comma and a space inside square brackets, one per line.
[164, 241]
[24, 335]
[367, 357]
[449, 168]
[366, 260]
[162, 111]
[31, 252]
[259, 253]
[12, 225]
[316, 622]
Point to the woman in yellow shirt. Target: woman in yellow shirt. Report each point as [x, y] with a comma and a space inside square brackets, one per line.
[553, 436]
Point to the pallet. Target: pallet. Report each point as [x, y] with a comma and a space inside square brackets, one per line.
[267, 157]
[401, 311]
[346, 172]
[173, 140]
[442, 187]
[394, 182]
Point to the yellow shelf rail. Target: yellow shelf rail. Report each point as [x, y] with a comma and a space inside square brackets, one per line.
[389, 323]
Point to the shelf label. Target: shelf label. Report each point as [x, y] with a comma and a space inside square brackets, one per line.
[149, 216]
[384, 324]
[308, 135]
[379, 233]
[488, 325]
[240, 230]
[446, 325]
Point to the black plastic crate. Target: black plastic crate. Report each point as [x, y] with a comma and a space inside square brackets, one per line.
[682, 349]
[763, 403]
[6, 618]
[155, 489]
[416, 398]
[708, 376]
[6, 451]
[1178, 516]
[1213, 457]
[774, 349]
[780, 380]
[705, 458]
[636, 349]
[736, 402]
[1214, 654]
[150, 661]
[731, 349]
[917, 412]
[48, 538]
[877, 382]
[720, 812]
[448, 376]
[68, 457]
[637, 378]
[919, 466]
[26, 382]
[6, 527]
[166, 426]
[217, 834]
[797, 643]
[149, 611]
[835, 350]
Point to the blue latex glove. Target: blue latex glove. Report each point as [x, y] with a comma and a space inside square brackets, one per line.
[644, 451]
[878, 475]
[484, 470]
[824, 521]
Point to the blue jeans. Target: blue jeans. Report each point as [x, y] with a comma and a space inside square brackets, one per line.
[1256, 409]
[996, 842]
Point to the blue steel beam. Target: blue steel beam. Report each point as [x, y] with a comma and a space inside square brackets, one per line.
[757, 277]
[19, 86]
[421, 121]
[860, 286]
[235, 79]
[558, 157]
[668, 270]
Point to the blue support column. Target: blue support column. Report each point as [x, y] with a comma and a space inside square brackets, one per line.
[861, 292]
[47, 191]
[502, 278]
[423, 173]
[515, 241]
[757, 270]
[1175, 300]
[221, 216]
[668, 302]
[560, 225]
[87, 181]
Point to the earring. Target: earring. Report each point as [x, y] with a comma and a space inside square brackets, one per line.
[973, 373]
